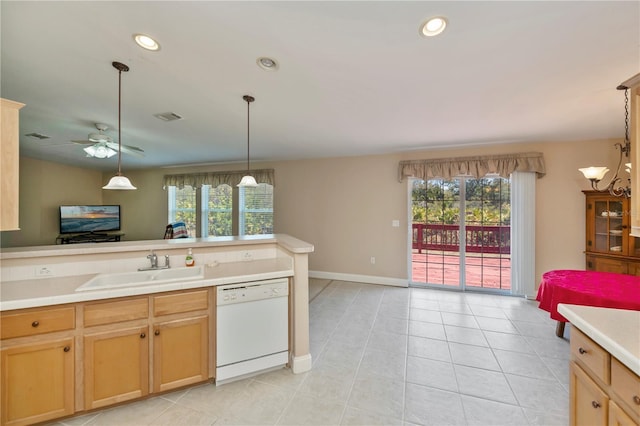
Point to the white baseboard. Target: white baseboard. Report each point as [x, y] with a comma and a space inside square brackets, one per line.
[301, 364]
[368, 279]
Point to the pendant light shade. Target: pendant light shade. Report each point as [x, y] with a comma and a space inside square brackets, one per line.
[119, 182]
[248, 180]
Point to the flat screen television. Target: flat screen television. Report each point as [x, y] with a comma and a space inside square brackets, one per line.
[87, 219]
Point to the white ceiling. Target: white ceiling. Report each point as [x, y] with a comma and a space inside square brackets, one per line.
[355, 78]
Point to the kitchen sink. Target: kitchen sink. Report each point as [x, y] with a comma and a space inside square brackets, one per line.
[140, 278]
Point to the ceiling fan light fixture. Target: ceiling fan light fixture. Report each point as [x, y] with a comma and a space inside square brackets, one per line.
[100, 151]
[146, 42]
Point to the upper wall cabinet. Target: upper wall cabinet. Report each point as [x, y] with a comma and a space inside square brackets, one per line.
[634, 137]
[9, 164]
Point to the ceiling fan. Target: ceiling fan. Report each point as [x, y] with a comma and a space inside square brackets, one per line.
[103, 146]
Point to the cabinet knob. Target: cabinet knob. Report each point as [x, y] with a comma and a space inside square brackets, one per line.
[636, 399]
[143, 335]
[35, 324]
[157, 332]
[67, 348]
[595, 404]
[582, 351]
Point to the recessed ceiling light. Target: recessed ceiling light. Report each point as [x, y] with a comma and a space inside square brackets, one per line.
[433, 26]
[268, 64]
[146, 42]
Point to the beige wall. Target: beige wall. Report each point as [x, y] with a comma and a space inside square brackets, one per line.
[344, 206]
[44, 186]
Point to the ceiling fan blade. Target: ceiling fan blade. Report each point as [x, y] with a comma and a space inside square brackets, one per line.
[84, 142]
[127, 149]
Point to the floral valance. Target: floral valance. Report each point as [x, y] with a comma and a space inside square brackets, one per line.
[231, 178]
[477, 167]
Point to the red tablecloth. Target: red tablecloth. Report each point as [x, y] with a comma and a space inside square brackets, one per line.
[590, 288]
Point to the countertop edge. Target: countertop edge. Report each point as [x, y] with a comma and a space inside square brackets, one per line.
[585, 317]
[288, 242]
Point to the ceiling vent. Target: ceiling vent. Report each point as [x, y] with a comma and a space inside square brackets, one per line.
[168, 116]
[38, 136]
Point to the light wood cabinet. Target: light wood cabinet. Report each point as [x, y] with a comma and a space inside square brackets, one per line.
[180, 339]
[37, 359]
[9, 164]
[602, 390]
[59, 360]
[116, 351]
[609, 247]
[180, 354]
[116, 366]
[634, 138]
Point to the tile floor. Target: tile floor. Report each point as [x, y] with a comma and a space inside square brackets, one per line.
[392, 356]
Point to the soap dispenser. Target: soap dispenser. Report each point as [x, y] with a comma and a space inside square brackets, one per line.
[189, 260]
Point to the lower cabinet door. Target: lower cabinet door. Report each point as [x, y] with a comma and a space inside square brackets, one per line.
[633, 268]
[116, 366]
[180, 352]
[37, 382]
[589, 405]
[617, 417]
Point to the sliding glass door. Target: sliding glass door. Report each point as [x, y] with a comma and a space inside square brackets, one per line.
[461, 233]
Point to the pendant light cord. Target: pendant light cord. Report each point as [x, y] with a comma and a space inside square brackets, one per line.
[248, 137]
[119, 123]
[120, 67]
[249, 99]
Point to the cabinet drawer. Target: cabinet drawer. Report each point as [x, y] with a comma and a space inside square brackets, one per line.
[37, 321]
[180, 302]
[626, 385]
[591, 355]
[117, 311]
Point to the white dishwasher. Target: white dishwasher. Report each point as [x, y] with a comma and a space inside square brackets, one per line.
[252, 328]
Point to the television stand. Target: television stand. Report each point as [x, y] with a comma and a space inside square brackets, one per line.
[88, 238]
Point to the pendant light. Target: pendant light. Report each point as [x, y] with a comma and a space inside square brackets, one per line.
[119, 182]
[596, 174]
[248, 180]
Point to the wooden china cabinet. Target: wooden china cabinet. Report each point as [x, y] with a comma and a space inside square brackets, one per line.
[609, 247]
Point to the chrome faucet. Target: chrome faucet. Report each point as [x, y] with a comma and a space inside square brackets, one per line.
[153, 258]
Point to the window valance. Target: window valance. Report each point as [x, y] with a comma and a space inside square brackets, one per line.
[477, 167]
[231, 178]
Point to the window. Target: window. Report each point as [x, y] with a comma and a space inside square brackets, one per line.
[256, 210]
[217, 211]
[222, 210]
[182, 207]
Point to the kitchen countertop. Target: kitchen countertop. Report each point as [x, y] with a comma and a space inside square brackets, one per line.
[60, 290]
[616, 330]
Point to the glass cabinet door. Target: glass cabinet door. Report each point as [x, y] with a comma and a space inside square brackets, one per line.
[610, 234]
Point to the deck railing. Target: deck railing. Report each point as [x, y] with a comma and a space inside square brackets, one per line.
[479, 238]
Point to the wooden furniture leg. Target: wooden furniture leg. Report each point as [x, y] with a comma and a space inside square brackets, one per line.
[560, 328]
